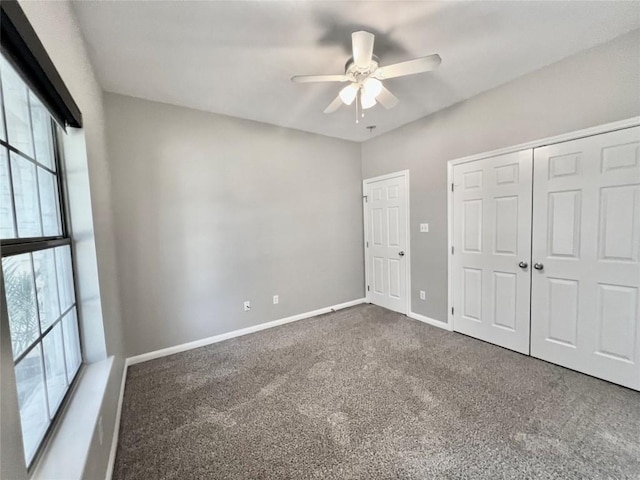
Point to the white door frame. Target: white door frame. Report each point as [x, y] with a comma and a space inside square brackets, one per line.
[587, 132]
[405, 175]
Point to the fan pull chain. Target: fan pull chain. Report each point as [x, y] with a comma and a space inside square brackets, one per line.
[357, 103]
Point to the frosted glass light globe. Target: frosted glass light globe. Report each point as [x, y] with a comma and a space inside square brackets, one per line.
[367, 101]
[348, 94]
[372, 87]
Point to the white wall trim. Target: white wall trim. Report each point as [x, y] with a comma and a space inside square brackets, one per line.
[237, 333]
[364, 242]
[405, 174]
[386, 176]
[449, 244]
[564, 137]
[430, 321]
[116, 428]
[407, 187]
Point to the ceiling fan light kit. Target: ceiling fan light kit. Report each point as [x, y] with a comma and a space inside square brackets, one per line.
[365, 75]
[367, 101]
[348, 94]
[372, 87]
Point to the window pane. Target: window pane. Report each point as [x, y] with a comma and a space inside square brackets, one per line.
[32, 401]
[71, 343]
[44, 265]
[21, 301]
[25, 192]
[16, 105]
[65, 277]
[49, 205]
[42, 134]
[54, 367]
[6, 205]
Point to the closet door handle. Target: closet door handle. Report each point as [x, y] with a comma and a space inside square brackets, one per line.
[523, 265]
[538, 266]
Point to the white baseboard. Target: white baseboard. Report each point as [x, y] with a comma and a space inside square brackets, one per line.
[116, 428]
[430, 321]
[236, 333]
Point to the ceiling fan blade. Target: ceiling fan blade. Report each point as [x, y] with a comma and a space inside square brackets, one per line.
[362, 43]
[333, 106]
[410, 67]
[387, 99]
[318, 78]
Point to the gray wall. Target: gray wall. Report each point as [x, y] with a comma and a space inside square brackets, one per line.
[595, 87]
[211, 211]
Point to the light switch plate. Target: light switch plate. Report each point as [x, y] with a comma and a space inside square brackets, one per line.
[424, 227]
[423, 295]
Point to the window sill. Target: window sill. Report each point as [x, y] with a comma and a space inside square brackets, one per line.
[66, 452]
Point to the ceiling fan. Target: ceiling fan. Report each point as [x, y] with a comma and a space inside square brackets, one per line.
[365, 76]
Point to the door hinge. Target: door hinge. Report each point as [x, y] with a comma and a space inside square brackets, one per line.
[367, 244]
[367, 288]
[451, 249]
[451, 310]
[452, 187]
[366, 198]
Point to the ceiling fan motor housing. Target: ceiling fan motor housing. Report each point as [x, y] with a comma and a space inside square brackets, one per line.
[357, 74]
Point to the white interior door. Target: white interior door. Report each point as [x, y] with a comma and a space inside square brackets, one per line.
[586, 244]
[387, 255]
[492, 247]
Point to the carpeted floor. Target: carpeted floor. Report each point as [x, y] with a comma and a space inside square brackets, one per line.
[365, 393]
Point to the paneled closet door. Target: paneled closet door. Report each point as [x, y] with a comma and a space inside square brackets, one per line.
[492, 242]
[585, 311]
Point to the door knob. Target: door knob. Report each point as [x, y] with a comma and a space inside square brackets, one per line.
[538, 266]
[401, 254]
[523, 265]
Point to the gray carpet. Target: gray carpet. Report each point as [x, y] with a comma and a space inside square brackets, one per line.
[365, 393]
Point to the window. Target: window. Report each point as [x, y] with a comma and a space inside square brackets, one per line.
[36, 260]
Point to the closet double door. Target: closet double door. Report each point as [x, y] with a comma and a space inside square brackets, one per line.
[574, 246]
[492, 248]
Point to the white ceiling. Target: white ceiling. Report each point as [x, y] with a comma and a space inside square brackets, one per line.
[236, 57]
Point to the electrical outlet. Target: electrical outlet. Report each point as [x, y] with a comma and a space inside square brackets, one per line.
[247, 306]
[424, 228]
[100, 430]
[423, 295]
[276, 299]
